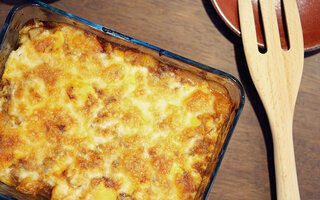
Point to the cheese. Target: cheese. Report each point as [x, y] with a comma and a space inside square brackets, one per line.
[104, 193]
[92, 120]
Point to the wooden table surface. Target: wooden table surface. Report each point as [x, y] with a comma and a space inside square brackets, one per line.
[194, 30]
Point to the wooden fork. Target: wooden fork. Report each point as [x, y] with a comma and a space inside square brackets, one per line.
[276, 75]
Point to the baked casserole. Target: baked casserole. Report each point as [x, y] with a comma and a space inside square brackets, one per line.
[83, 118]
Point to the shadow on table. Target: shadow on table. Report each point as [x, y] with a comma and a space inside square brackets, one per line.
[311, 53]
[250, 90]
[13, 2]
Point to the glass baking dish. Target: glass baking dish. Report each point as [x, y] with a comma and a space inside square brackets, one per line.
[24, 12]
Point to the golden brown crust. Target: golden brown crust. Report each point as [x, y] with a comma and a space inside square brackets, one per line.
[82, 118]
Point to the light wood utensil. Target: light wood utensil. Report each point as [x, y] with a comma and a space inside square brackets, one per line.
[276, 75]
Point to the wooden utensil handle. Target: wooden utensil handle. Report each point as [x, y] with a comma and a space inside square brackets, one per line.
[284, 159]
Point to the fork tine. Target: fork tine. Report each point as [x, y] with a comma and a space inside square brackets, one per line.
[247, 26]
[293, 25]
[270, 23]
[295, 54]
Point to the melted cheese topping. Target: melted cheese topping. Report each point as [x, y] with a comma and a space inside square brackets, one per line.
[86, 119]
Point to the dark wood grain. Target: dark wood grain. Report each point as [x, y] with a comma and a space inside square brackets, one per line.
[194, 30]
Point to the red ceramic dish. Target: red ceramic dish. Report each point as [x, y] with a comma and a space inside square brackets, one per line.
[309, 14]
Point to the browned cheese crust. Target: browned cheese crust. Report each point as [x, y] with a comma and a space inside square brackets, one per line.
[85, 119]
